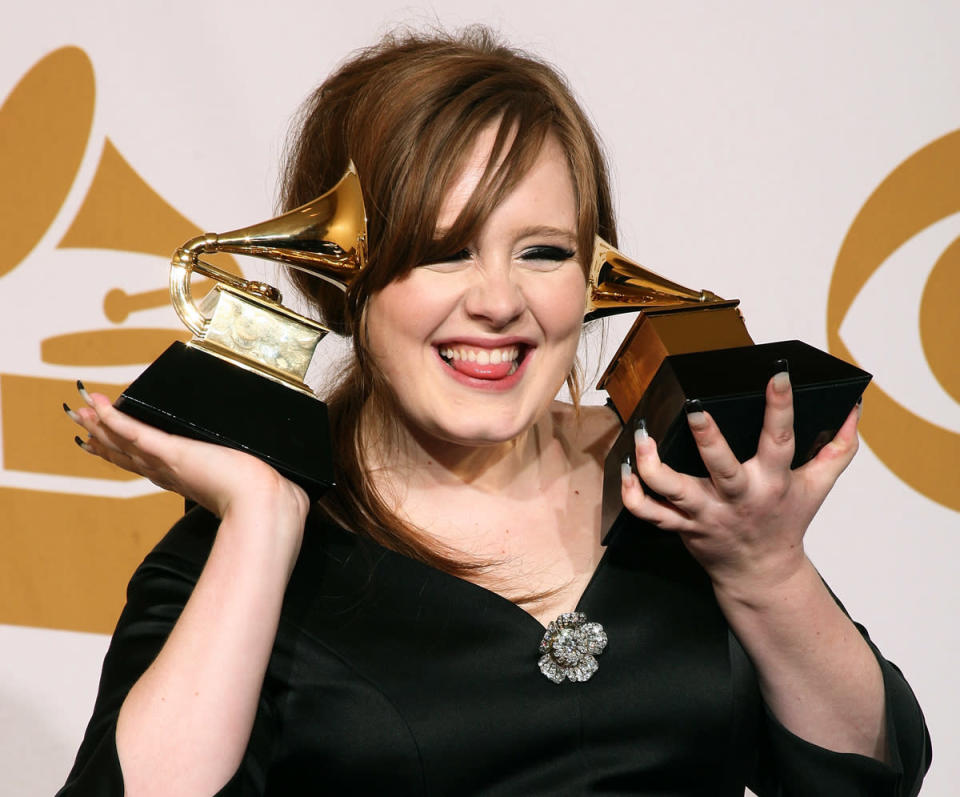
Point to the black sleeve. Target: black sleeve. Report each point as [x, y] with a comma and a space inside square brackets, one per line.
[792, 767]
[156, 595]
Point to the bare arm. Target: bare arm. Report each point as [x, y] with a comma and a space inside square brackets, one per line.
[184, 726]
[745, 524]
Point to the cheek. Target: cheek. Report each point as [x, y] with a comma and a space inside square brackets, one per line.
[388, 316]
[562, 309]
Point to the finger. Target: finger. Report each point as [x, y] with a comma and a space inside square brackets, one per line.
[142, 442]
[647, 508]
[835, 456]
[726, 472]
[683, 492]
[126, 460]
[90, 421]
[776, 445]
[122, 440]
[122, 426]
[109, 453]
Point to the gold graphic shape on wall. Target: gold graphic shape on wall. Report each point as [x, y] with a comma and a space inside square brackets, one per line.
[922, 190]
[67, 557]
[44, 126]
[940, 319]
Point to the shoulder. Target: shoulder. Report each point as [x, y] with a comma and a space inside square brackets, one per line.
[591, 430]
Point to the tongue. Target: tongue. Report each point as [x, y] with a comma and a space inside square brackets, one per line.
[477, 371]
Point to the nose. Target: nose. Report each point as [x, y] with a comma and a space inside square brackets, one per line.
[495, 297]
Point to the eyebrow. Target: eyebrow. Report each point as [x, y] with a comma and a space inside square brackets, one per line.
[545, 229]
[532, 231]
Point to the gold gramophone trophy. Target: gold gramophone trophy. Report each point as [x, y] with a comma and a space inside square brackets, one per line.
[688, 344]
[239, 381]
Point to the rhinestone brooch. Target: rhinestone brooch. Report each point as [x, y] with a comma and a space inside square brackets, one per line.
[569, 647]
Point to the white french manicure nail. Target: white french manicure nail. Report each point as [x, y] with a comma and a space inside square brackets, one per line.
[640, 433]
[83, 393]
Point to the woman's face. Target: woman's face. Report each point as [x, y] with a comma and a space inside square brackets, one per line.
[476, 347]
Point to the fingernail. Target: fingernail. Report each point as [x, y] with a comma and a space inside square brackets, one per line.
[640, 431]
[83, 393]
[82, 444]
[625, 468]
[781, 376]
[70, 413]
[695, 413]
[860, 401]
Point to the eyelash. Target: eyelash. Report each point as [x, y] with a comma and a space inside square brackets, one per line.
[550, 253]
[556, 253]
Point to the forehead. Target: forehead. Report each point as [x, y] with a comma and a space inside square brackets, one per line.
[545, 189]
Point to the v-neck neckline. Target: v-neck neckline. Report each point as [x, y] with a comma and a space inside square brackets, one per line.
[478, 589]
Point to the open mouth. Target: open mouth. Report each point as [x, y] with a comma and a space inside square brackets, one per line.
[481, 363]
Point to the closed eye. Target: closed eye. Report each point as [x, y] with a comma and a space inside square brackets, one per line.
[547, 256]
[452, 262]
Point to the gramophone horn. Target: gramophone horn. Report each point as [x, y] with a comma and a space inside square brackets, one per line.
[617, 284]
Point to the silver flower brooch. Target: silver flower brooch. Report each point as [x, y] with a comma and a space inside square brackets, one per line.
[569, 647]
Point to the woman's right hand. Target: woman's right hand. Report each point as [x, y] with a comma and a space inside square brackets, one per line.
[214, 476]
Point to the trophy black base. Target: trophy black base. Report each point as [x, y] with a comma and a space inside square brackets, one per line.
[194, 394]
[731, 384]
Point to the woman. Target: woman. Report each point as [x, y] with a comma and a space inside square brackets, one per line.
[386, 640]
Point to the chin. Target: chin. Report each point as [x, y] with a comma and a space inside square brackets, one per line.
[478, 434]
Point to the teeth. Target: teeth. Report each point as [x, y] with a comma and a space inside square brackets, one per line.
[481, 356]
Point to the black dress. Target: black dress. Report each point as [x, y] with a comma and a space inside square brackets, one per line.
[390, 677]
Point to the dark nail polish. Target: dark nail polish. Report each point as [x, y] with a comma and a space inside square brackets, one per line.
[79, 442]
[860, 401]
[780, 366]
[80, 385]
[692, 405]
[66, 409]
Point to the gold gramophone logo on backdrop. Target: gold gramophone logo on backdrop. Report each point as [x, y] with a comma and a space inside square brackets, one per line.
[919, 193]
[73, 528]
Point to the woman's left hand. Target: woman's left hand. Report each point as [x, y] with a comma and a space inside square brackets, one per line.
[745, 522]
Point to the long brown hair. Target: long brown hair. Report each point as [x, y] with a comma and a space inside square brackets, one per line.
[407, 112]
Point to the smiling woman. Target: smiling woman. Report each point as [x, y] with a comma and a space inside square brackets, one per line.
[414, 631]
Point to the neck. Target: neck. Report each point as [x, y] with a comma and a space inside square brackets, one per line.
[413, 460]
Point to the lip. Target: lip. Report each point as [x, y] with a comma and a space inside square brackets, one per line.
[487, 385]
[486, 343]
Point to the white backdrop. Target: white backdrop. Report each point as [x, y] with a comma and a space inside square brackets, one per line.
[744, 136]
